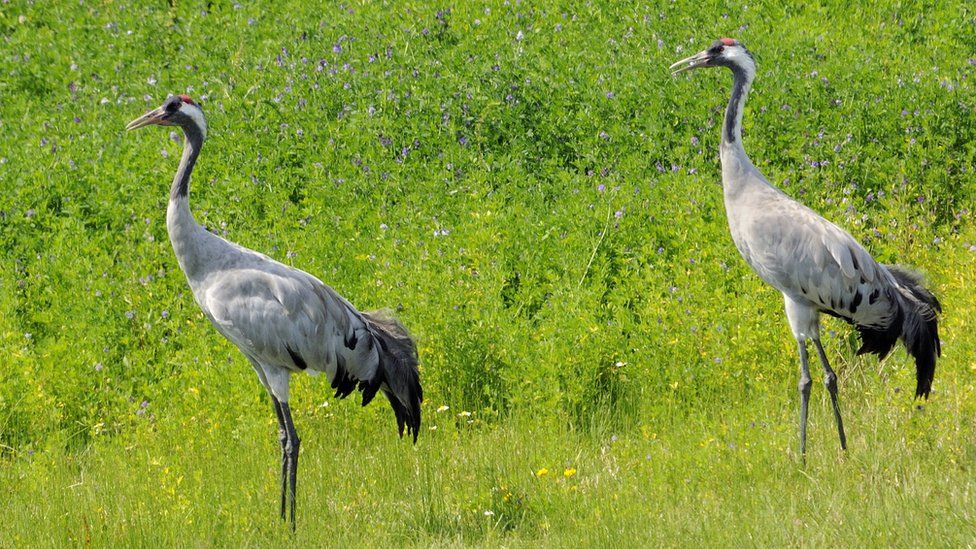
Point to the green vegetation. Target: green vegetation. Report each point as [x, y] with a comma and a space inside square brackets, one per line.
[538, 199]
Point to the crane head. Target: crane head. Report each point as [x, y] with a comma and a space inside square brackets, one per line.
[177, 110]
[724, 52]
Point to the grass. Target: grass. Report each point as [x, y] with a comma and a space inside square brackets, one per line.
[710, 481]
[538, 200]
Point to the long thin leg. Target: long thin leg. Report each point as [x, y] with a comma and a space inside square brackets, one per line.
[283, 438]
[804, 386]
[830, 380]
[282, 431]
[291, 451]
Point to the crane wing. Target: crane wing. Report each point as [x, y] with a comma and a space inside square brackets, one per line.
[285, 317]
[804, 255]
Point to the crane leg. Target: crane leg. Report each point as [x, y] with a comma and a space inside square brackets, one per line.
[804, 386]
[830, 380]
[292, 444]
[283, 439]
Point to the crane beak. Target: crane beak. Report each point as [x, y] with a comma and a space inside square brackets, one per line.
[696, 61]
[155, 116]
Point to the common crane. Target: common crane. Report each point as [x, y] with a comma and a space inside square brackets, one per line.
[817, 266]
[284, 320]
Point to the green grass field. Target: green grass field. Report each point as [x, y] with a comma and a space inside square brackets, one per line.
[539, 201]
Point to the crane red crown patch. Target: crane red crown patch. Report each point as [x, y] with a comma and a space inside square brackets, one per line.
[728, 41]
[186, 98]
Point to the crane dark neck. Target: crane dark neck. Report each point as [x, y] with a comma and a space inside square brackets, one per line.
[191, 150]
[732, 130]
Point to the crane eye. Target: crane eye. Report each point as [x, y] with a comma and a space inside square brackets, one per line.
[172, 104]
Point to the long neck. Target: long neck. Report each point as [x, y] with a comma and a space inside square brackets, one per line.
[732, 129]
[738, 172]
[181, 181]
[180, 224]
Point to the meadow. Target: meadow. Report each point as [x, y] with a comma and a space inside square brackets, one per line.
[539, 201]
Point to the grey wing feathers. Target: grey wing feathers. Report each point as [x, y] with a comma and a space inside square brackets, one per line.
[283, 317]
[809, 258]
[804, 255]
[287, 318]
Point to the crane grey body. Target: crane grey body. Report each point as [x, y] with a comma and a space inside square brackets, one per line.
[817, 266]
[282, 319]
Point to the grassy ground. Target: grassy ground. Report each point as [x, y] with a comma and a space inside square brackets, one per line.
[538, 200]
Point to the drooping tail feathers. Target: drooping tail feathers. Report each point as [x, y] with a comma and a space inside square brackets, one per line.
[917, 325]
[920, 328]
[397, 376]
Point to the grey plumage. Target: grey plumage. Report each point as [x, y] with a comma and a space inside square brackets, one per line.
[817, 266]
[282, 319]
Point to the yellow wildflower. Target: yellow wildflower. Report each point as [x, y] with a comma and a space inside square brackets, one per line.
[570, 471]
[542, 472]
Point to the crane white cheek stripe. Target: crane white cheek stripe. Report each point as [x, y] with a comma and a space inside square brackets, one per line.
[195, 114]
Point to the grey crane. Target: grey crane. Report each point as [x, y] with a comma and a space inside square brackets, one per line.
[284, 320]
[817, 266]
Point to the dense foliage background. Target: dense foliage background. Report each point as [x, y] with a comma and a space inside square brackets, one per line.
[539, 201]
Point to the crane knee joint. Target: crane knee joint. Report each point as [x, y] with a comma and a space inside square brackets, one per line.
[291, 447]
[804, 385]
[830, 380]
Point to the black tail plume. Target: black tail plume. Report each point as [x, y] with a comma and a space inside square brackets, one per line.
[880, 341]
[920, 327]
[397, 376]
